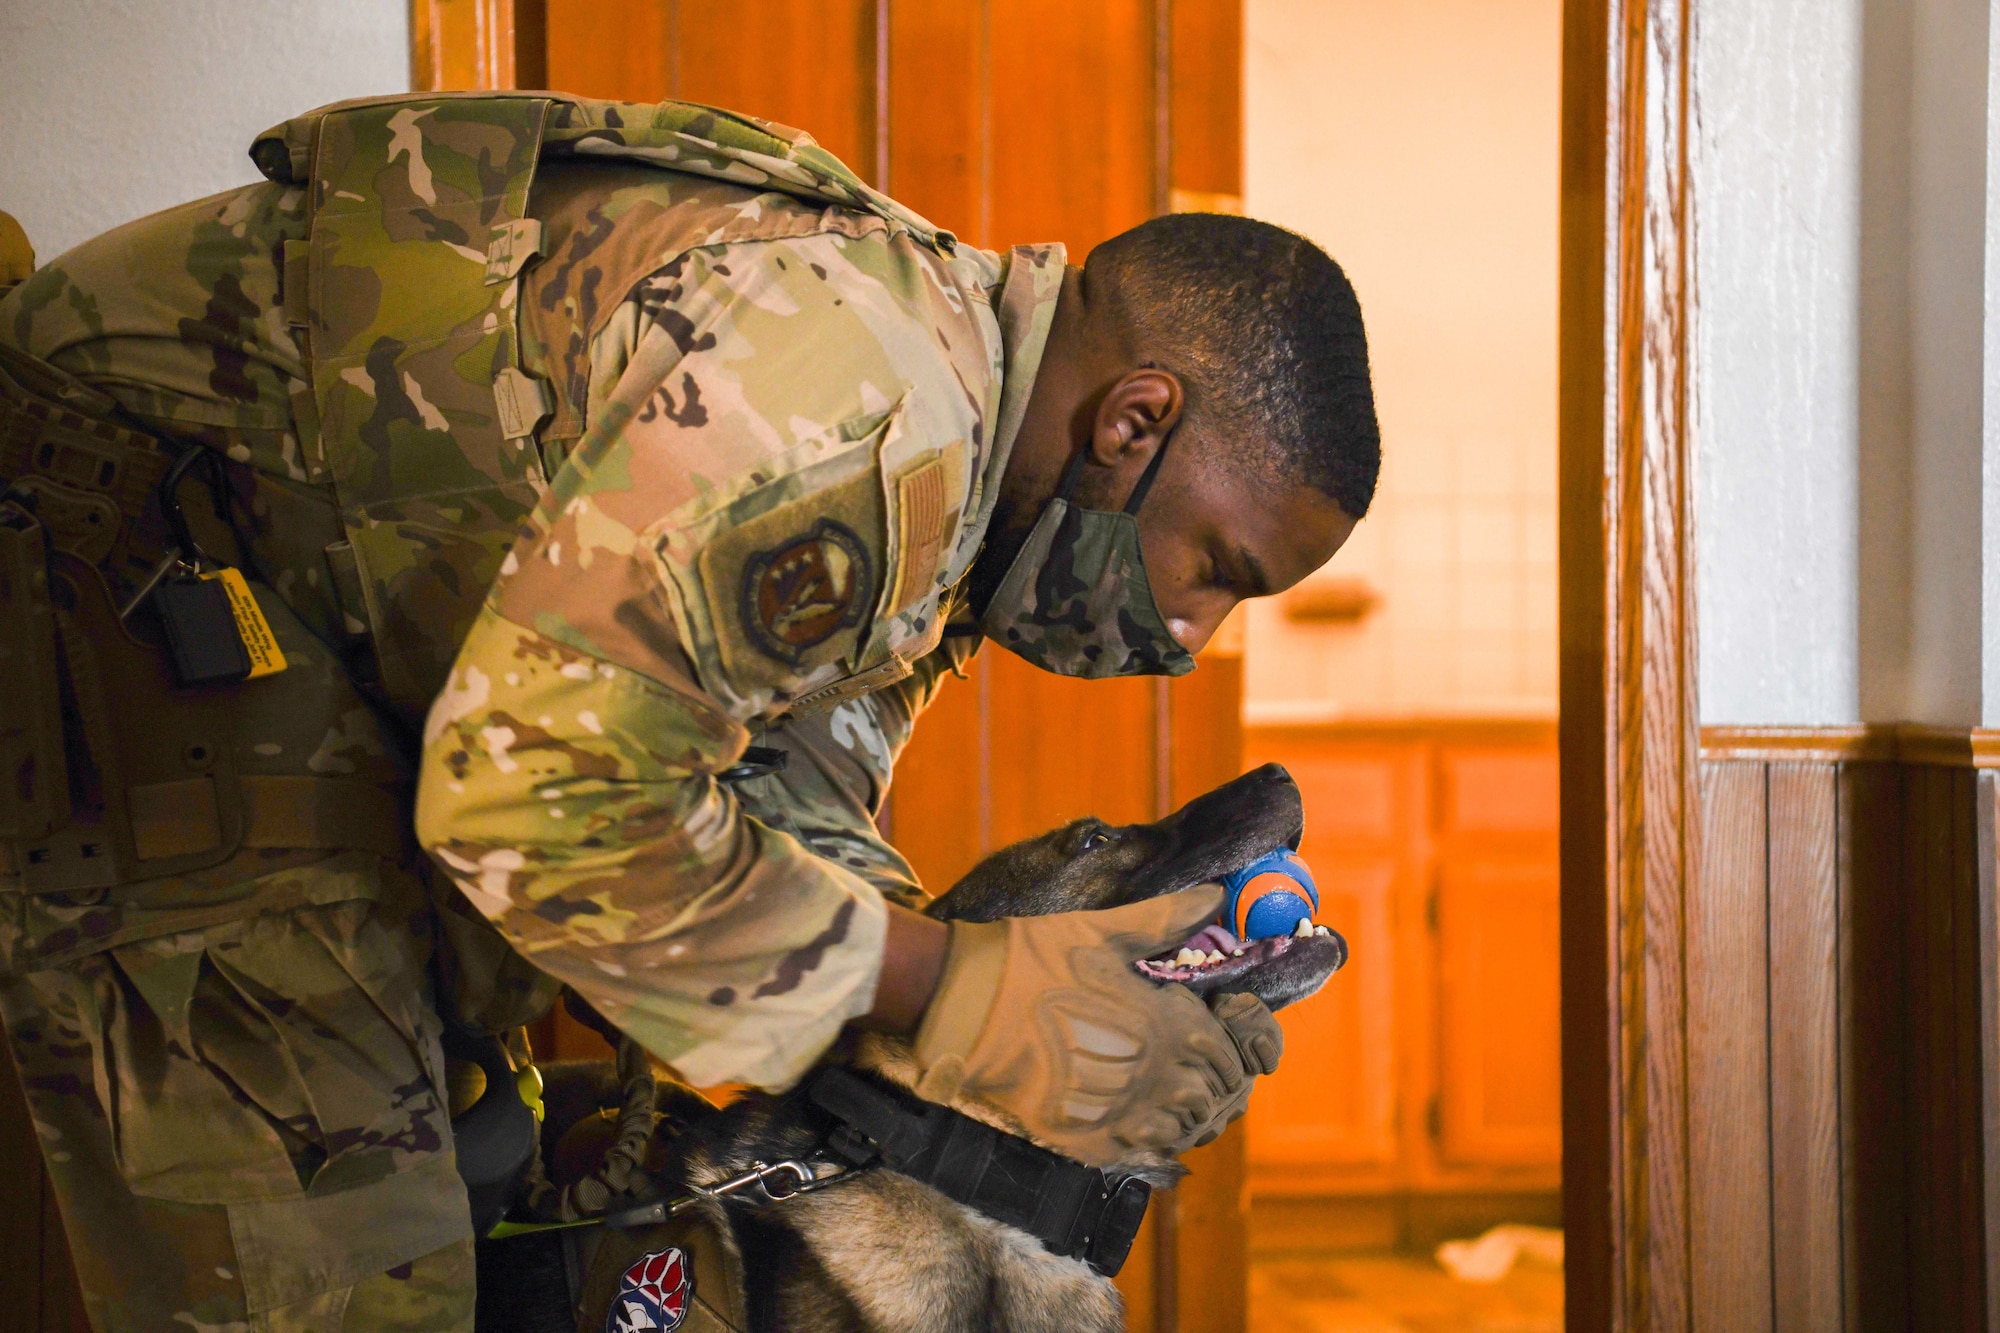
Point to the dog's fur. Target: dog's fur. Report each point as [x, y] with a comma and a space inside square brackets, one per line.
[884, 1254]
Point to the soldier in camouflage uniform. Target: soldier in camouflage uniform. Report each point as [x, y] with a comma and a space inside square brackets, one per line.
[795, 450]
[243, 1060]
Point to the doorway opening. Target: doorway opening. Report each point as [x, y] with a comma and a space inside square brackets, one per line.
[1411, 685]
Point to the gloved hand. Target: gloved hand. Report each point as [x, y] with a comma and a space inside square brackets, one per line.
[1046, 1017]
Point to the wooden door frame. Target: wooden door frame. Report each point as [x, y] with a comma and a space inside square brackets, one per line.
[1628, 731]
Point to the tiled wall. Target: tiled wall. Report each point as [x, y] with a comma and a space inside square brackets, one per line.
[1418, 142]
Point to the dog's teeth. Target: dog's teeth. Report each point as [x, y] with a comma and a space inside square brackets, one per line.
[1188, 958]
[1215, 955]
[1235, 953]
[1304, 930]
[1321, 930]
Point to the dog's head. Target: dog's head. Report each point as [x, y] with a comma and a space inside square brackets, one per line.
[1089, 864]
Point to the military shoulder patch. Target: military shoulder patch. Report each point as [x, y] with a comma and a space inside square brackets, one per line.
[799, 594]
[653, 1295]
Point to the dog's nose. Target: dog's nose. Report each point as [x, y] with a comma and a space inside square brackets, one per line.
[1269, 773]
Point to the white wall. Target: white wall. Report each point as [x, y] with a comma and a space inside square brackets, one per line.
[1777, 184]
[1847, 362]
[116, 108]
[1419, 142]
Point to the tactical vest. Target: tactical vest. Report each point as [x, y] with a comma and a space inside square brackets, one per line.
[408, 288]
[422, 422]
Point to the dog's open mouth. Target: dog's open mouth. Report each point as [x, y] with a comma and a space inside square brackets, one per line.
[1213, 957]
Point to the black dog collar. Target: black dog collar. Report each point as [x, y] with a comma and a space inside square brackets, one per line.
[1074, 1210]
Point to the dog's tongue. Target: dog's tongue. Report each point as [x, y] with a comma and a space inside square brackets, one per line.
[1211, 938]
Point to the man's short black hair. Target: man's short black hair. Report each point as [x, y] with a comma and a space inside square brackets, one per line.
[1264, 330]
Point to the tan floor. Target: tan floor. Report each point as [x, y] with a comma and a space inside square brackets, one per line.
[1398, 1293]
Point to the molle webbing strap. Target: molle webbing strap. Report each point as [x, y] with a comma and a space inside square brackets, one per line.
[280, 811]
[426, 422]
[301, 811]
[89, 478]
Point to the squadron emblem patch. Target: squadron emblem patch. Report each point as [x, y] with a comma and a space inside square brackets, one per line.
[653, 1295]
[804, 592]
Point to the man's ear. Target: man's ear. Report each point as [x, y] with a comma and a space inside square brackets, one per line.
[1135, 417]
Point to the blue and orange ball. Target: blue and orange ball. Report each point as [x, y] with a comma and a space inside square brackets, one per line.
[1269, 897]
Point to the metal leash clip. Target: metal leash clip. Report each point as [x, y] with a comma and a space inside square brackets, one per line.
[775, 1181]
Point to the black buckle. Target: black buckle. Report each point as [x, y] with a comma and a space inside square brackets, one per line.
[1108, 1243]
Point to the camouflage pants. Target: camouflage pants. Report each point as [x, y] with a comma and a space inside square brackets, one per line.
[245, 1124]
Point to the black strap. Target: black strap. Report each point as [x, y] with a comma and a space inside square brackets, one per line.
[1074, 1210]
[1138, 496]
[1066, 487]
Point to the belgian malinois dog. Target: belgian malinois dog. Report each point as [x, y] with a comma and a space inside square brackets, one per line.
[883, 1253]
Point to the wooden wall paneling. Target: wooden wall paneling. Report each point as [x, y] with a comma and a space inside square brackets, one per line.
[1806, 1254]
[938, 115]
[1874, 1055]
[940, 813]
[1967, 1049]
[1139, 1281]
[1204, 710]
[1986, 852]
[811, 64]
[1062, 749]
[1071, 99]
[1205, 715]
[618, 49]
[1211, 1271]
[1203, 727]
[458, 44]
[1627, 664]
[1729, 1078]
[805, 63]
[1943, 1273]
[1591, 1101]
[1206, 46]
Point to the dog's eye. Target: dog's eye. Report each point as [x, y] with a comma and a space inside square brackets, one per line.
[1096, 838]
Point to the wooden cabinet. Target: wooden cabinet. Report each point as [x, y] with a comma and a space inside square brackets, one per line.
[1431, 1064]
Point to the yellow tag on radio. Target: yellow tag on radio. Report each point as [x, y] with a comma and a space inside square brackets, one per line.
[266, 658]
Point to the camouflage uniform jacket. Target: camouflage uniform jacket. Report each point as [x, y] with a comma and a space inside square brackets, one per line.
[785, 426]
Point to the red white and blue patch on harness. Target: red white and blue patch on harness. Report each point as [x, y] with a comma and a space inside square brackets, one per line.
[654, 1294]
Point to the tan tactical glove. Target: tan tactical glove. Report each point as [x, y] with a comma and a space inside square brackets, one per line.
[1046, 1017]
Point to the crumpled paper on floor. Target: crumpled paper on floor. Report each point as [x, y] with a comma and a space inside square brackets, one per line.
[1492, 1256]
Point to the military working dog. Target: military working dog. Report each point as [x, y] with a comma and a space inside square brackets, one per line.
[880, 1252]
